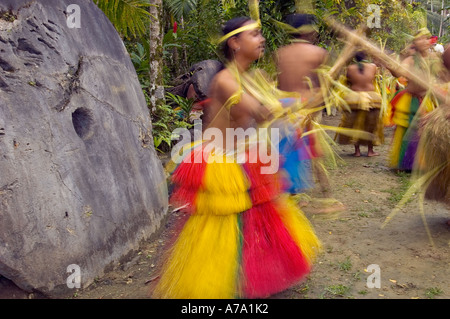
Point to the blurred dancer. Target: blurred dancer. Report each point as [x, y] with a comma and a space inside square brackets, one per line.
[243, 237]
[365, 104]
[432, 165]
[297, 65]
[409, 104]
[298, 62]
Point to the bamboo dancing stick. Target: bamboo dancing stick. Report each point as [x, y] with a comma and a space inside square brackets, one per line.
[346, 54]
[388, 61]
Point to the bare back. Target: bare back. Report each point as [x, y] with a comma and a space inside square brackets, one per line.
[296, 64]
[362, 80]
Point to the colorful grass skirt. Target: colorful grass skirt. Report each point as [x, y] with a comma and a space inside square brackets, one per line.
[364, 116]
[243, 238]
[406, 117]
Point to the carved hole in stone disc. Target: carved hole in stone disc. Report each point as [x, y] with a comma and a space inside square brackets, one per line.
[83, 122]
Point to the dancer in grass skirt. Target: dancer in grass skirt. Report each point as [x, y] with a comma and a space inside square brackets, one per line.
[409, 105]
[243, 238]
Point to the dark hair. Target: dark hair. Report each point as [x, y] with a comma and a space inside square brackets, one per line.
[359, 57]
[230, 26]
[297, 20]
[446, 57]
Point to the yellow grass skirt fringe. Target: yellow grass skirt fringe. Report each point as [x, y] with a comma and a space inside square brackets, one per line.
[363, 115]
[407, 110]
[433, 154]
[206, 261]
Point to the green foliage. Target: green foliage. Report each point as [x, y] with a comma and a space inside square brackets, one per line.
[399, 21]
[200, 21]
[184, 104]
[140, 58]
[129, 17]
[162, 120]
[345, 265]
[181, 8]
[337, 290]
[165, 119]
[431, 293]
[193, 40]
[168, 117]
[170, 40]
[397, 193]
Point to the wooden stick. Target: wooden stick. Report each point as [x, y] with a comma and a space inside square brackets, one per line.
[388, 61]
[346, 54]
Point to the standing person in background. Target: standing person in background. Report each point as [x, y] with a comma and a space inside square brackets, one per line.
[298, 64]
[365, 104]
[409, 104]
[433, 153]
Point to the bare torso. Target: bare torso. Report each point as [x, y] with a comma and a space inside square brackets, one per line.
[297, 64]
[243, 114]
[362, 81]
[412, 86]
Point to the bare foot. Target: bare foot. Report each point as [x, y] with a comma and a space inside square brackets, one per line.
[370, 154]
[325, 206]
[357, 151]
[303, 203]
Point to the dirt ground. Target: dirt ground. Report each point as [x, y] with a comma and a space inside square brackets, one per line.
[411, 264]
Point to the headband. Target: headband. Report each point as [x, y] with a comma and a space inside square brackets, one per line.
[251, 26]
[306, 28]
[422, 32]
[303, 29]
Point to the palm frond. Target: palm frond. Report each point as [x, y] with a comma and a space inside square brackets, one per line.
[129, 17]
[227, 4]
[181, 8]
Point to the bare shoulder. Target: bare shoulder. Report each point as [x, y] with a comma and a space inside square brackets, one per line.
[408, 61]
[224, 84]
[320, 50]
[352, 67]
[223, 79]
[373, 67]
[284, 51]
[313, 48]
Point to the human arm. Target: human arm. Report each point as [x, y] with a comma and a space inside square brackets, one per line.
[239, 103]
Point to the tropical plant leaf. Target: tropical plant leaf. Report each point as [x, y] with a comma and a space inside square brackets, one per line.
[181, 8]
[129, 17]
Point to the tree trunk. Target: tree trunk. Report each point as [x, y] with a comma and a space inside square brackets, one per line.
[156, 54]
[442, 20]
[184, 66]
